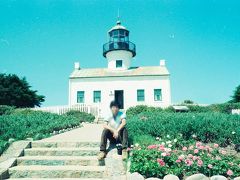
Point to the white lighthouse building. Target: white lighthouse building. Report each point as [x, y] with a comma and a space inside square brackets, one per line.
[130, 86]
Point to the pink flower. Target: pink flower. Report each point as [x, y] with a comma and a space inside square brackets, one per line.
[216, 145]
[160, 162]
[154, 146]
[195, 158]
[210, 166]
[129, 149]
[190, 147]
[198, 144]
[181, 157]
[188, 162]
[164, 154]
[184, 148]
[178, 161]
[196, 151]
[201, 147]
[190, 156]
[229, 172]
[224, 152]
[200, 162]
[161, 147]
[168, 154]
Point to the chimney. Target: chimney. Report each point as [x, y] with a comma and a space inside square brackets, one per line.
[162, 62]
[76, 66]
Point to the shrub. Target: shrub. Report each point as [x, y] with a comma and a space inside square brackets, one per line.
[3, 145]
[158, 160]
[25, 123]
[206, 127]
[82, 116]
[4, 109]
[135, 110]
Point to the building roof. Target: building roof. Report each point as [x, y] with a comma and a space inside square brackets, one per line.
[117, 26]
[133, 71]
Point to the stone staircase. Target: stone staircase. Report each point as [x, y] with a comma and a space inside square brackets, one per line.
[68, 160]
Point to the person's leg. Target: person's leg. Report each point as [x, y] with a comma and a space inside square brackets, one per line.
[106, 134]
[123, 137]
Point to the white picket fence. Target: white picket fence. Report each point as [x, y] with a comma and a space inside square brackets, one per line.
[236, 111]
[88, 108]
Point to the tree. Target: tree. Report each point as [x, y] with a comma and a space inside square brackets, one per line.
[236, 95]
[187, 101]
[16, 92]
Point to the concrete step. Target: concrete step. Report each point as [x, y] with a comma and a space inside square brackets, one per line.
[73, 171]
[58, 160]
[81, 151]
[53, 144]
[56, 178]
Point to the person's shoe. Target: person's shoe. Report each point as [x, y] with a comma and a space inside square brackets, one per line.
[124, 154]
[101, 155]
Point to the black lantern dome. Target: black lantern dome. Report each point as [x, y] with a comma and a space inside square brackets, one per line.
[119, 40]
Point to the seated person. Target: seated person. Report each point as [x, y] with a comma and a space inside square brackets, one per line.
[115, 131]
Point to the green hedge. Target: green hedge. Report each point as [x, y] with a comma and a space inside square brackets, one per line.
[22, 124]
[82, 116]
[221, 108]
[206, 127]
[4, 109]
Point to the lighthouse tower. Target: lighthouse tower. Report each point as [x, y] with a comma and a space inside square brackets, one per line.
[119, 51]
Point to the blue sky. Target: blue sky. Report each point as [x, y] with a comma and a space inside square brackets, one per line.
[200, 40]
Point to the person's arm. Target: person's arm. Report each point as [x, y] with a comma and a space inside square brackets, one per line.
[106, 126]
[123, 123]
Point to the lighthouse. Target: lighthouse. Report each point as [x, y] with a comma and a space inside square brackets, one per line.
[119, 50]
[119, 81]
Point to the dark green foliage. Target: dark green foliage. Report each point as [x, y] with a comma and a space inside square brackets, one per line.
[207, 127]
[6, 109]
[188, 101]
[16, 92]
[33, 124]
[221, 108]
[132, 111]
[3, 145]
[236, 95]
[82, 116]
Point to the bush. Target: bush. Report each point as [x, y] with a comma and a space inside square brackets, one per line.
[206, 127]
[25, 123]
[4, 109]
[135, 110]
[81, 116]
[221, 108]
[3, 145]
[158, 160]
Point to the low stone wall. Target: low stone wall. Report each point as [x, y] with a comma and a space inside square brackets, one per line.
[137, 176]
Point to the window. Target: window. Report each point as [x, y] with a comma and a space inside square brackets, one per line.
[140, 95]
[157, 94]
[80, 97]
[96, 96]
[118, 63]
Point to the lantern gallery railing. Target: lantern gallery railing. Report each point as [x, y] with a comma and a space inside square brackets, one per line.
[120, 45]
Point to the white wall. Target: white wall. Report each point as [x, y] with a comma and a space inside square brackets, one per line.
[125, 56]
[128, 84]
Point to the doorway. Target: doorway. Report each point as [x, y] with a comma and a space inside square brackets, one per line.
[118, 96]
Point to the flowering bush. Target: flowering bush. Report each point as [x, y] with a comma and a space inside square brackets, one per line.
[206, 127]
[170, 157]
